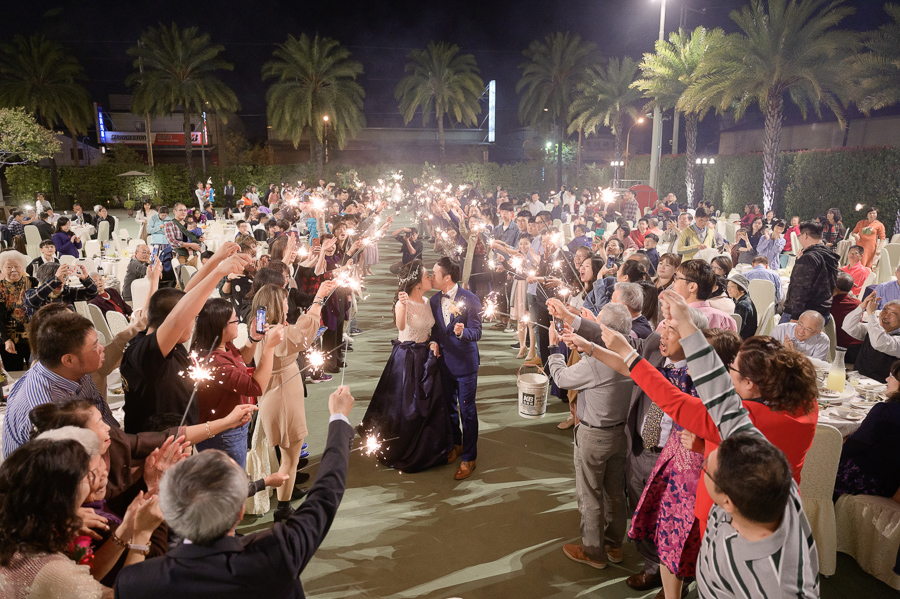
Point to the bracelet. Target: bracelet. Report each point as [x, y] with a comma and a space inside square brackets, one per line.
[118, 541]
[252, 340]
[142, 549]
[591, 355]
[209, 434]
[629, 356]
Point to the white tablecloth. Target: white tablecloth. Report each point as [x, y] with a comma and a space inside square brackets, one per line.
[84, 233]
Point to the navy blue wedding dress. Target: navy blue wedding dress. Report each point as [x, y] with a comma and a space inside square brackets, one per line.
[407, 411]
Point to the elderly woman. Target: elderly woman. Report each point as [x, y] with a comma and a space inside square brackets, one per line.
[13, 316]
[42, 484]
[52, 287]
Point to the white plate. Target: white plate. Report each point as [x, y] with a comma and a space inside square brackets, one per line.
[854, 415]
[863, 404]
[832, 398]
[820, 364]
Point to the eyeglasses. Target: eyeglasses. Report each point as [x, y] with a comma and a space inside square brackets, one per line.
[806, 328]
[679, 277]
[705, 471]
[235, 321]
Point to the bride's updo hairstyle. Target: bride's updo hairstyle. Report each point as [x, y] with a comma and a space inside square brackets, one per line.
[410, 276]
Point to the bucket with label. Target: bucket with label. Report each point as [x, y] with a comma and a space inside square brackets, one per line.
[533, 387]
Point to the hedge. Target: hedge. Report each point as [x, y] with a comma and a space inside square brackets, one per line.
[809, 183]
[99, 184]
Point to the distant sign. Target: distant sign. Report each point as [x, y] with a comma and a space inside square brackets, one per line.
[139, 138]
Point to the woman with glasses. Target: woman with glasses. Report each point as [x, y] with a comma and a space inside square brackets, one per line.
[231, 382]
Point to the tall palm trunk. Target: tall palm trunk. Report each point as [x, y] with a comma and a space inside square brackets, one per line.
[560, 127]
[772, 145]
[187, 144]
[440, 124]
[691, 121]
[320, 158]
[578, 162]
[618, 149]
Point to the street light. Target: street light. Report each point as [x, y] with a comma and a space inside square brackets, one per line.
[656, 146]
[627, 146]
[705, 161]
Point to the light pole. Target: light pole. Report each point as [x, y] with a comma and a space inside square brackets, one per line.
[325, 137]
[628, 138]
[656, 142]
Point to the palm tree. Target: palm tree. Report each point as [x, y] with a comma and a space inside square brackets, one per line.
[42, 76]
[668, 73]
[790, 50]
[315, 79]
[606, 99]
[443, 82]
[555, 68]
[179, 70]
[876, 73]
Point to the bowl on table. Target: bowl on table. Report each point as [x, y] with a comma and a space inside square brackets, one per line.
[849, 413]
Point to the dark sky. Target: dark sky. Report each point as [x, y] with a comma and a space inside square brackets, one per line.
[379, 33]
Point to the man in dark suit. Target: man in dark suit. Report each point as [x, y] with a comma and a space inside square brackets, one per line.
[44, 227]
[80, 217]
[202, 499]
[454, 340]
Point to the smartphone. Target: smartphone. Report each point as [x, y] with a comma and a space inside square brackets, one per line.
[317, 242]
[261, 320]
[610, 262]
[154, 255]
[558, 323]
[319, 334]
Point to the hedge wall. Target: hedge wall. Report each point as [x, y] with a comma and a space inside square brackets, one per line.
[809, 182]
[98, 184]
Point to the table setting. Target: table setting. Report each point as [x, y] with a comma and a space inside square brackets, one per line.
[846, 409]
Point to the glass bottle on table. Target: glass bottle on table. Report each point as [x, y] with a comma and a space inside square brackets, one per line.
[837, 373]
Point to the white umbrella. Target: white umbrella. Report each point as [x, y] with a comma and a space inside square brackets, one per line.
[134, 174]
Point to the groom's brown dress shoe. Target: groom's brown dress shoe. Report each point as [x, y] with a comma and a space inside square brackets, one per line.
[454, 453]
[465, 470]
[644, 581]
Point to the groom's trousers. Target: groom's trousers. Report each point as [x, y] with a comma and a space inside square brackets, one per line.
[459, 393]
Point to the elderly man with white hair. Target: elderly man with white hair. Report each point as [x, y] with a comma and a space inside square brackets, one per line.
[805, 335]
[600, 447]
[880, 336]
[631, 296]
[202, 499]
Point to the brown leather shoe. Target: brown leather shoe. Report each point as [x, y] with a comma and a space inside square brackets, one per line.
[454, 453]
[644, 581]
[576, 554]
[465, 470]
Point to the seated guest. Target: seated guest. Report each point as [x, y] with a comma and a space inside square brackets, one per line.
[623, 235]
[203, 498]
[52, 287]
[842, 305]
[743, 250]
[80, 217]
[600, 447]
[44, 226]
[696, 236]
[48, 253]
[870, 458]
[739, 291]
[771, 244]
[694, 281]
[41, 486]
[137, 269]
[805, 335]
[108, 298]
[761, 271]
[641, 232]
[243, 230]
[154, 362]
[631, 296]
[888, 291]
[880, 337]
[130, 534]
[580, 239]
[814, 274]
[721, 265]
[102, 215]
[66, 242]
[650, 242]
[68, 351]
[719, 298]
[857, 270]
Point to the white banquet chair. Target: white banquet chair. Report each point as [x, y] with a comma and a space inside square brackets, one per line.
[134, 244]
[762, 293]
[140, 291]
[816, 489]
[92, 248]
[100, 323]
[32, 241]
[67, 259]
[767, 320]
[868, 529]
[103, 231]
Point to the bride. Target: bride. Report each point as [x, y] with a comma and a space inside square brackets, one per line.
[407, 410]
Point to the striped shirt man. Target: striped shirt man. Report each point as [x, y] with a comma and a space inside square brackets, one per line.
[785, 564]
[38, 386]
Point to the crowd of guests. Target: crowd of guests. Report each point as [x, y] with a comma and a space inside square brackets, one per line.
[682, 417]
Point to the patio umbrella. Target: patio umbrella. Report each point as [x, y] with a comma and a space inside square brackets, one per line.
[134, 174]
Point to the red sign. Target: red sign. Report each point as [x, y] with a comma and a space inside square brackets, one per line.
[175, 139]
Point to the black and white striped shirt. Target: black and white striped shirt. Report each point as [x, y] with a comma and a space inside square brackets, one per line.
[783, 565]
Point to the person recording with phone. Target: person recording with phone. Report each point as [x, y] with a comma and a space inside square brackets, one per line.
[52, 287]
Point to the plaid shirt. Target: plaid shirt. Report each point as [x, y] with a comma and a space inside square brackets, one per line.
[173, 234]
[15, 227]
[630, 210]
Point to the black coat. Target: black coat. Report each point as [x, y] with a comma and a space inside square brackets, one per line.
[265, 564]
[812, 282]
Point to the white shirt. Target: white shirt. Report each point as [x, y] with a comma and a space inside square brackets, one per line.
[535, 207]
[885, 342]
[447, 302]
[815, 347]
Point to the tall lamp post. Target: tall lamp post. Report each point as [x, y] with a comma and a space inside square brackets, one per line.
[656, 142]
[624, 163]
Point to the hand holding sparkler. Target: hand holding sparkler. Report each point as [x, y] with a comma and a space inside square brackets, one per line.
[340, 402]
[458, 329]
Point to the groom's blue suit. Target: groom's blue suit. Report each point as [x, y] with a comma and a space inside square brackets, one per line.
[459, 363]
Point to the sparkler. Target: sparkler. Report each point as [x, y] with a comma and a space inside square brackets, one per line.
[315, 359]
[198, 373]
[346, 345]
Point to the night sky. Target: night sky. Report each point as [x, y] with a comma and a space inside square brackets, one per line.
[379, 33]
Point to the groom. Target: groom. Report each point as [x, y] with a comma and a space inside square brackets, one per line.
[454, 337]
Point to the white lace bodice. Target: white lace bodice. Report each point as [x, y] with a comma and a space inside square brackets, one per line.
[419, 321]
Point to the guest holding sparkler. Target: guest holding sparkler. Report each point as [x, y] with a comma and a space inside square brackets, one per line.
[282, 412]
[408, 404]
